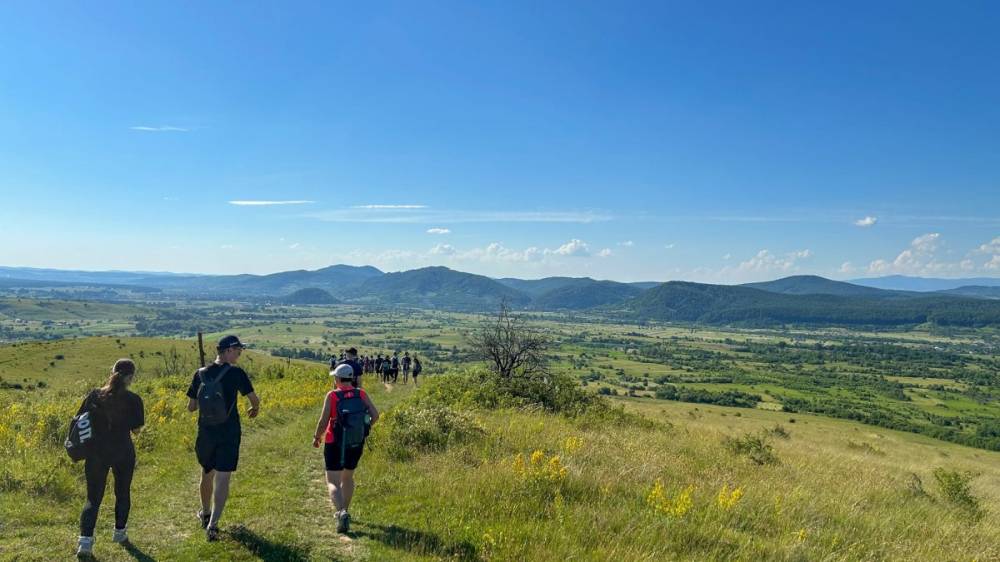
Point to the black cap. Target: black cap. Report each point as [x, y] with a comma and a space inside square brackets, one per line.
[229, 341]
[352, 351]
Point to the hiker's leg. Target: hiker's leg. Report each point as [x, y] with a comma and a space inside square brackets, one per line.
[207, 487]
[333, 487]
[220, 496]
[96, 472]
[347, 487]
[123, 471]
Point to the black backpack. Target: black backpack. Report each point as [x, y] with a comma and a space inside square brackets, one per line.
[211, 402]
[84, 431]
[352, 422]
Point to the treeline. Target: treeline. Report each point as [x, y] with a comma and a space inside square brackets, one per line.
[733, 398]
[301, 353]
[717, 304]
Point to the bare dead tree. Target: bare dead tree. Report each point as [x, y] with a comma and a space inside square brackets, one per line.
[509, 347]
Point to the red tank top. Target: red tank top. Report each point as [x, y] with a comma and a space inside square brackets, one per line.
[332, 398]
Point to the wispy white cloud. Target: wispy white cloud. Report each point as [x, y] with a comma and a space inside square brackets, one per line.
[605, 253]
[929, 254]
[160, 129]
[389, 207]
[727, 256]
[366, 214]
[253, 203]
[766, 262]
[574, 248]
[438, 231]
[992, 247]
[918, 259]
[626, 244]
[294, 246]
[866, 222]
[443, 250]
[669, 246]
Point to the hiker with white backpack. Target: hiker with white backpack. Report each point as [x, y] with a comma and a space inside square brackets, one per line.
[343, 425]
[213, 394]
[101, 434]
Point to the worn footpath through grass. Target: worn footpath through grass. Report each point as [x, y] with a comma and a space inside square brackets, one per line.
[278, 508]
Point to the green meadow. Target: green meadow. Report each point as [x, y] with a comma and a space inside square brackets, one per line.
[470, 468]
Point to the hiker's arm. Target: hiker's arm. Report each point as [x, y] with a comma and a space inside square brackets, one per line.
[254, 405]
[372, 410]
[324, 420]
[192, 404]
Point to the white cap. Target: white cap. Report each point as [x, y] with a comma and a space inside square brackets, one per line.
[344, 371]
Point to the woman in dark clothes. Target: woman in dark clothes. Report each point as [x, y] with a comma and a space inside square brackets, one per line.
[118, 412]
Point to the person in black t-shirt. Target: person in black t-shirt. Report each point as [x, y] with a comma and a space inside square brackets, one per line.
[117, 411]
[351, 358]
[218, 446]
[406, 366]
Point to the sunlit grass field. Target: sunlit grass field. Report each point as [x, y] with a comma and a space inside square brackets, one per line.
[501, 485]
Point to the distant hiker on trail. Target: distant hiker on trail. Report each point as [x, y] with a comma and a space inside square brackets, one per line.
[213, 392]
[378, 366]
[351, 358]
[395, 368]
[417, 367]
[346, 418]
[386, 371]
[406, 366]
[114, 412]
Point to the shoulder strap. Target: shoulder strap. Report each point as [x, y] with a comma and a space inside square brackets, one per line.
[222, 373]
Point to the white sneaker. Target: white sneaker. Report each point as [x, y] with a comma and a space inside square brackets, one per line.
[120, 536]
[85, 547]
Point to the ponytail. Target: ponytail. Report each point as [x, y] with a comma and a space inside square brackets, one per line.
[122, 369]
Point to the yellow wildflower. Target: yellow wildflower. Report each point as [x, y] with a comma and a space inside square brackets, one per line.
[728, 498]
[518, 465]
[537, 457]
[572, 445]
[661, 502]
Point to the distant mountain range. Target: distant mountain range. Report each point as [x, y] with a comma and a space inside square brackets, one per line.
[802, 299]
[906, 283]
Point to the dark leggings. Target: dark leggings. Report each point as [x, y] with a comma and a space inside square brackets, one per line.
[96, 469]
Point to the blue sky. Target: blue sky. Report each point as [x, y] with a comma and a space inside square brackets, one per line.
[722, 142]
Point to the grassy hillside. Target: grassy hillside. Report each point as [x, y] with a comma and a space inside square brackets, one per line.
[448, 478]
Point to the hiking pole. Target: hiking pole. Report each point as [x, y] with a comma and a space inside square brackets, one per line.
[201, 350]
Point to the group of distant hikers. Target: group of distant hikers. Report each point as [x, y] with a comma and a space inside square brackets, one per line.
[100, 433]
[387, 368]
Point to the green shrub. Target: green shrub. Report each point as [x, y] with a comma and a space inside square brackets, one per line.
[415, 428]
[955, 489]
[756, 447]
[481, 388]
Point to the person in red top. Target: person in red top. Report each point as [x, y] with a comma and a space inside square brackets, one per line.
[340, 462]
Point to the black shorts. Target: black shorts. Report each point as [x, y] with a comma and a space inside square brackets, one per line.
[217, 452]
[331, 454]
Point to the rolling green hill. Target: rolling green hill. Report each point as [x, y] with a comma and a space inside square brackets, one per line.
[310, 296]
[815, 285]
[588, 294]
[438, 287]
[467, 469]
